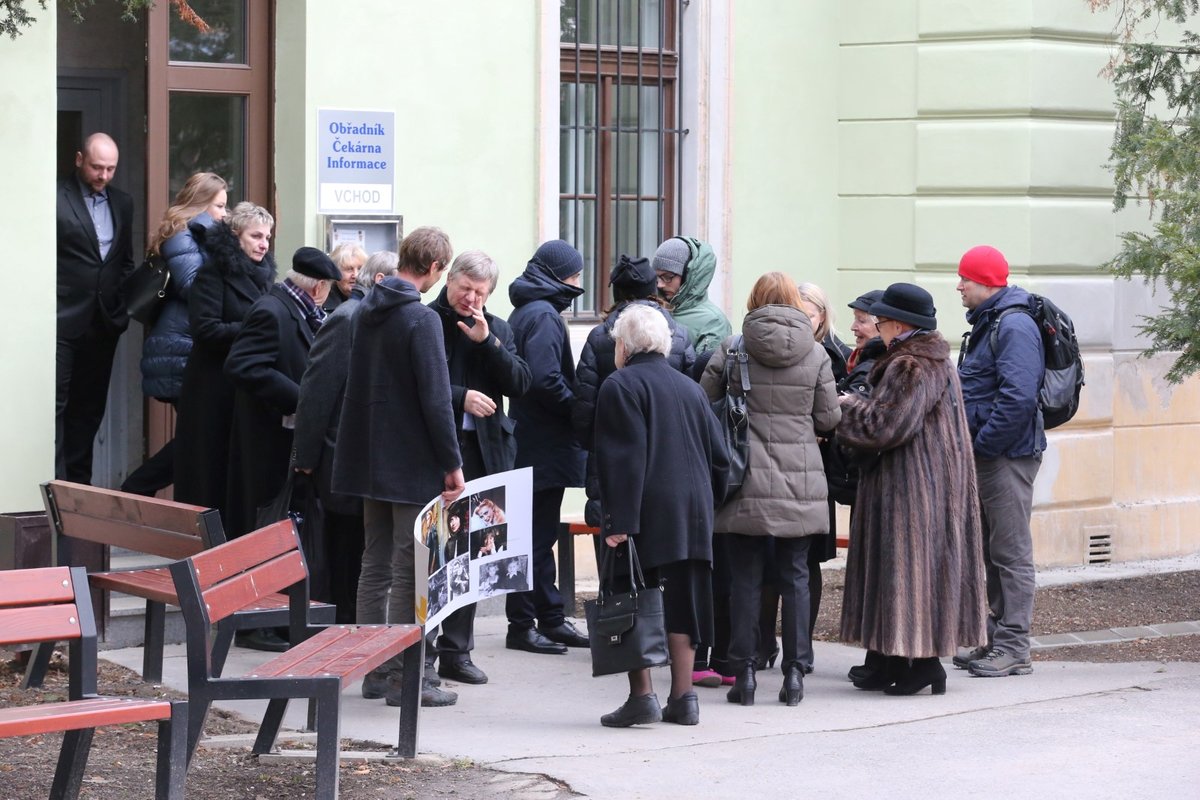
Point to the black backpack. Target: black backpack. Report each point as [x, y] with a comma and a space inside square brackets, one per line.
[1062, 382]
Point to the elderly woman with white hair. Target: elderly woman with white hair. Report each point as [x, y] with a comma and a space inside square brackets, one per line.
[349, 258]
[662, 465]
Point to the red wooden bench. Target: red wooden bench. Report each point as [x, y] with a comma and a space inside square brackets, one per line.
[53, 604]
[153, 527]
[323, 660]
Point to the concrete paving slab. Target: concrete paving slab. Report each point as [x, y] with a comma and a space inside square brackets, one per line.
[1068, 730]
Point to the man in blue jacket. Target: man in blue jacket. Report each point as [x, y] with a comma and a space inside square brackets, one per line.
[1000, 377]
[545, 439]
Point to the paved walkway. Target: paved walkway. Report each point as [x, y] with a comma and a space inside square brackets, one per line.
[1069, 730]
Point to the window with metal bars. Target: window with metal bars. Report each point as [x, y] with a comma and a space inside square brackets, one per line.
[619, 178]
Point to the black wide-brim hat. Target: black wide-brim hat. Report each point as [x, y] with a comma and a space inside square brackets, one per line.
[864, 301]
[907, 302]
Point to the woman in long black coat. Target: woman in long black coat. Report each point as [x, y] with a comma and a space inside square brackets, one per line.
[239, 270]
[662, 465]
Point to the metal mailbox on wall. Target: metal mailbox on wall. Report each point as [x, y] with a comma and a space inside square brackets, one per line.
[371, 233]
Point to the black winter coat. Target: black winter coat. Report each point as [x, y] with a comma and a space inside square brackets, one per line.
[599, 360]
[320, 405]
[545, 440]
[396, 439]
[265, 365]
[493, 368]
[224, 289]
[166, 347]
[661, 461]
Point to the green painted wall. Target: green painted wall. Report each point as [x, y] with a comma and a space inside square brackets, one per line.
[27, 327]
[462, 78]
[784, 145]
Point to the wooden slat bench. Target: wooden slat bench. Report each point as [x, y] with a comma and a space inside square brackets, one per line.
[322, 662]
[568, 529]
[153, 527]
[51, 605]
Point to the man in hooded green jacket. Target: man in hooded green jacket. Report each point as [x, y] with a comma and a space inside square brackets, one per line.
[685, 267]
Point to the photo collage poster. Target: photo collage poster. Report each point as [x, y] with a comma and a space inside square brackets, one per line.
[478, 546]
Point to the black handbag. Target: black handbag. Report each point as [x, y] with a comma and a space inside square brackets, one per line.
[626, 630]
[145, 289]
[734, 417]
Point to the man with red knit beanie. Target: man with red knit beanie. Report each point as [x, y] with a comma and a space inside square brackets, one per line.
[1001, 371]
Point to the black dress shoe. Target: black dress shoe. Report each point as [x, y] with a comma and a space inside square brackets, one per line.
[261, 639]
[531, 641]
[642, 710]
[565, 633]
[682, 710]
[462, 672]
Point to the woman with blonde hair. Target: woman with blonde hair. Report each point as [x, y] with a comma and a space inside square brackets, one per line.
[782, 502]
[198, 206]
[239, 270]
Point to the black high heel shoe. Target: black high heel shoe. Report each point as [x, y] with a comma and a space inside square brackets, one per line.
[743, 687]
[792, 691]
[924, 672]
[891, 670]
[767, 660]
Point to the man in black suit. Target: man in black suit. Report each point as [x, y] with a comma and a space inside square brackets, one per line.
[95, 253]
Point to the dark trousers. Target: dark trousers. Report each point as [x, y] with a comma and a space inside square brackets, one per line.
[544, 603]
[1006, 503]
[344, 537]
[83, 367]
[156, 472]
[747, 560]
[457, 638]
[714, 655]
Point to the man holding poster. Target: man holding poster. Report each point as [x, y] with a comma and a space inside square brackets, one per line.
[484, 368]
[397, 440]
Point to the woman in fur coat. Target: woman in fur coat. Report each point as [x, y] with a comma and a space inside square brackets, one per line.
[914, 573]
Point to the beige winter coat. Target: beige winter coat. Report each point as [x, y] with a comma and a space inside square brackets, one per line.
[792, 396]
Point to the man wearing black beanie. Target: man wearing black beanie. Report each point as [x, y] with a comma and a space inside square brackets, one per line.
[545, 440]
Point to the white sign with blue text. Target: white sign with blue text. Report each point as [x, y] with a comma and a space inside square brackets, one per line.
[356, 153]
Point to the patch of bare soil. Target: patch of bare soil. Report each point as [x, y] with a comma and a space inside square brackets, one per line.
[1096, 605]
[122, 760]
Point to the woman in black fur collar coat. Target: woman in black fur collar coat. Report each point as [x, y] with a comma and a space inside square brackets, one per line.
[239, 270]
[914, 573]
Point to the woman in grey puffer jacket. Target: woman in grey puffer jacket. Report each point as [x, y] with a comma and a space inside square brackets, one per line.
[199, 205]
[792, 399]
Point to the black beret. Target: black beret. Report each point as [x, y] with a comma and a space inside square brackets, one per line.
[312, 262]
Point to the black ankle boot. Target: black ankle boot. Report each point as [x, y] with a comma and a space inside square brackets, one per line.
[743, 687]
[872, 663]
[923, 672]
[894, 668]
[792, 691]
